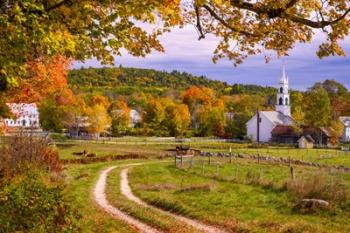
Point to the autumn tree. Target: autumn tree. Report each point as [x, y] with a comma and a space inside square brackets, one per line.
[154, 112]
[336, 131]
[297, 99]
[98, 119]
[253, 27]
[338, 95]
[210, 120]
[195, 96]
[33, 30]
[155, 116]
[178, 119]
[43, 79]
[61, 111]
[79, 30]
[317, 108]
[241, 107]
[121, 120]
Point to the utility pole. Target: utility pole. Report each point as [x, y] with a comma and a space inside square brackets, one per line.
[258, 126]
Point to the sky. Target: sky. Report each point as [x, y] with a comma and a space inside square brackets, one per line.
[183, 52]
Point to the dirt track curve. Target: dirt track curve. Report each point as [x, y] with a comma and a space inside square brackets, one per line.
[100, 198]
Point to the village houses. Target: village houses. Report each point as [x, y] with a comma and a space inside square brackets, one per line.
[25, 116]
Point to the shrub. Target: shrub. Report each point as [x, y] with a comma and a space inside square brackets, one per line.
[34, 202]
[21, 149]
[319, 186]
[31, 191]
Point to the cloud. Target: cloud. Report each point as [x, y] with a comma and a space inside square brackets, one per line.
[184, 52]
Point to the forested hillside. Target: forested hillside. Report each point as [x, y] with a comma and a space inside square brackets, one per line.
[134, 77]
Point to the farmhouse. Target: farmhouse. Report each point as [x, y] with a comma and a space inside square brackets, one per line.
[135, 117]
[346, 131]
[25, 116]
[261, 125]
[306, 142]
[289, 135]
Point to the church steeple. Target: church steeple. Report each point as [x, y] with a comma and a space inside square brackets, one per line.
[283, 99]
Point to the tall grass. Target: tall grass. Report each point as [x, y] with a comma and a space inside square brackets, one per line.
[319, 186]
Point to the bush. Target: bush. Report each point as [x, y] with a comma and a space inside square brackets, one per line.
[31, 190]
[22, 150]
[33, 201]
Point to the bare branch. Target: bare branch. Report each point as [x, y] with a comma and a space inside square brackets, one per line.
[282, 13]
[199, 25]
[57, 5]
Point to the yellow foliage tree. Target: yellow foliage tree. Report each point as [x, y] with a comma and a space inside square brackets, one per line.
[98, 119]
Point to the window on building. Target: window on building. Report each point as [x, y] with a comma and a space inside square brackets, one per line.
[23, 122]
[281, 90]
[287, 101]
[280, 101]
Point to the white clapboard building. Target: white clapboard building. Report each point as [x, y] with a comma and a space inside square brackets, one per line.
[25, 116]
[346, 130]
[260, 126]
[135, 117]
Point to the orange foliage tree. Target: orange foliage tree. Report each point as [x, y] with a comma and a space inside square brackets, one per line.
[195, 95]
[44, 78]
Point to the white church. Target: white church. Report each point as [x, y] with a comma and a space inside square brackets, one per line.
[260, 126]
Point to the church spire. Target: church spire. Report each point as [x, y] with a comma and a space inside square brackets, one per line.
[283, 99]
[284, 78]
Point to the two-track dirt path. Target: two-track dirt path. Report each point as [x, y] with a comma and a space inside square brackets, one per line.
[101, 200]
[126, 191]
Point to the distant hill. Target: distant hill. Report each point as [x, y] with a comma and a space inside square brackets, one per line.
[120, 80]
[135, 77]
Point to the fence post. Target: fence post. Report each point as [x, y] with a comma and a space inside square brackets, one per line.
[217, 169]
[302, 156]
[209, 159]
[175, 157]
[181, 161]
[191, 162]
[289, 161]
[292, 174]
[202, 167]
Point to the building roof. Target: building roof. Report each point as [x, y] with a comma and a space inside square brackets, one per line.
[277, 118]
[285, 130]
[327, 131]
[307, 138]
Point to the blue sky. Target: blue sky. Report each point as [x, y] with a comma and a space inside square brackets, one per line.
[184, 52]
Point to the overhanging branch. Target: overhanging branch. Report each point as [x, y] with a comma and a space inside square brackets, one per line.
[227, 25]
[282, 13]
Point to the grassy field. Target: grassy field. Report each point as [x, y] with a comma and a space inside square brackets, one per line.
[80, 183]
[243, 196]
[66, 150]
[146, 215]
[322, 156]
[158, 149]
